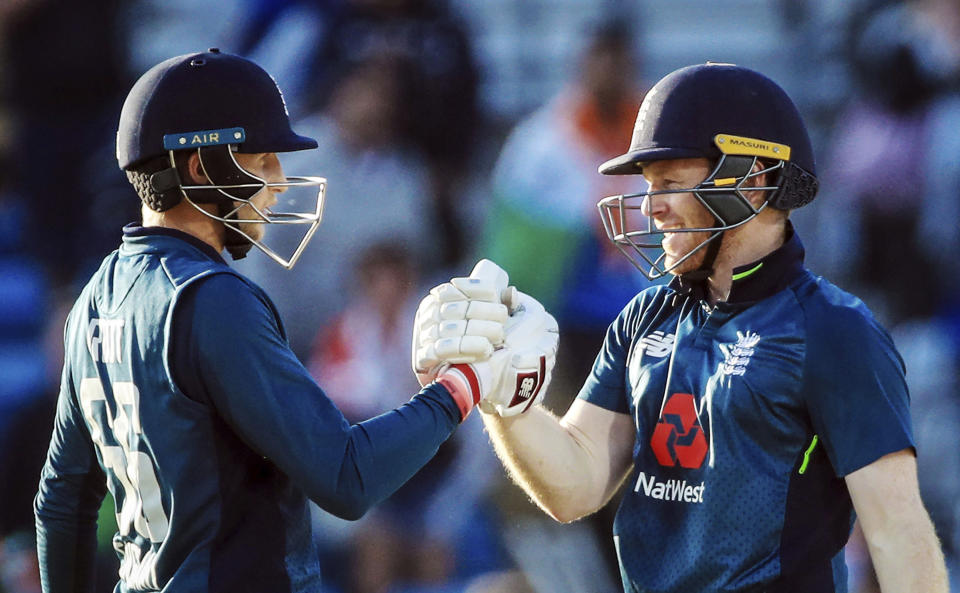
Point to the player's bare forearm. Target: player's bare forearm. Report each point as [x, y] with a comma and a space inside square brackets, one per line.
[903, 545]
[909, 558]
[570, 468]
[539, 457]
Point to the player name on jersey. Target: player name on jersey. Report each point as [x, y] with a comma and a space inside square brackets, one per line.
[673, 490]
[105, 340]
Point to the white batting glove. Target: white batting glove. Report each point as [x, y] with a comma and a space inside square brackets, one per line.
[468, 382]
[460, 321]
[521, 379]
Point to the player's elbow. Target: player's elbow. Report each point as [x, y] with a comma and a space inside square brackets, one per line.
[348, 509]
[563, 515]
[569, 515]
[351, 514]
[350, 501]
[566, 498]
[567, 509]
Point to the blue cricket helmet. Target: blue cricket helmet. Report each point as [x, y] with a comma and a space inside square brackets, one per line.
[216, 104]
[683, 114]
[738, 119]
[200, 92]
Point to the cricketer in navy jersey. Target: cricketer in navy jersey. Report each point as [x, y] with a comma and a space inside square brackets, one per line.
[180, 394]
[742, 446]
[748, 411]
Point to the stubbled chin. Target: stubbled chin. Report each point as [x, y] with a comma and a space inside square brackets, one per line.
[671, 242]
[254, 230]
[678, 245]
[687, 266]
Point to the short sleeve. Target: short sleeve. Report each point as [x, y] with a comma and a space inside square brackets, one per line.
[605, 385]
[855, 388]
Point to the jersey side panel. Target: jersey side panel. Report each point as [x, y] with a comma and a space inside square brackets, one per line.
[265, 536]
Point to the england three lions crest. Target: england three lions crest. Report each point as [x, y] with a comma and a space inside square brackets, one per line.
[736, 357]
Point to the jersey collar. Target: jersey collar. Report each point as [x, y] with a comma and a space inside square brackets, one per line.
[134, 230]
[762, 278]
[770, 274]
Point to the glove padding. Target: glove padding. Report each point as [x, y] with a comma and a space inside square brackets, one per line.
[531, 338]
[461, 321]
[467, 382]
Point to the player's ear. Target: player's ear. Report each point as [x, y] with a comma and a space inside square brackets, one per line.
[757, 197]
[194, 170]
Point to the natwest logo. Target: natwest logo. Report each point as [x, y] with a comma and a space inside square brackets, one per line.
[677, 490]
[678, 437]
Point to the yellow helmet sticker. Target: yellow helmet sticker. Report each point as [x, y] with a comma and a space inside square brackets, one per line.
[741, 145]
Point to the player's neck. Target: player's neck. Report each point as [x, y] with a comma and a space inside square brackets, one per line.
[186, 218]
[744, 245]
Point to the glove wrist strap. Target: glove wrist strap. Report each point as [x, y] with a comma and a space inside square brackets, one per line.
[464, 387]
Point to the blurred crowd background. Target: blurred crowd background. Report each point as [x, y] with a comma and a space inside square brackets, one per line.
[458, 129]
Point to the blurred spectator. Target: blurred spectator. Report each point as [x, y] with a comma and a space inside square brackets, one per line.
[363, 356]
[65, 77]
[279, 35]
[511, 581]
[27, 387]
[159, 29]
[19, 569]
[891, 170]
[438, 83]
[543, 226]
[544, 229]
[378, 190]
[434, 532]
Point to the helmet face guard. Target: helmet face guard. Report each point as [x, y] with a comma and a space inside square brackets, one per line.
[721, 193]
[234, 188]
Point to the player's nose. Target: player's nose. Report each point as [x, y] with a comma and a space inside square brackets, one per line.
[653, 206]
[274, 173]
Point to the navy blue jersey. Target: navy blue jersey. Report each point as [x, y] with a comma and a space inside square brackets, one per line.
[181, 396]
[748, 415]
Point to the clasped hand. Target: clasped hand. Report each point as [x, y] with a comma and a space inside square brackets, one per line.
[487, 342]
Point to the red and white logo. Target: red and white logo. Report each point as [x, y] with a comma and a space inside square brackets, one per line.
[678, 438]
[529, 385]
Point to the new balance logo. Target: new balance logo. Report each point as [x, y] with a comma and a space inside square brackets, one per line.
[672, 490]
[656, 344]
[526, 387]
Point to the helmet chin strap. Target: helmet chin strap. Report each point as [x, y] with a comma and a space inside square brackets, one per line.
[731, 206]
[236, 244]
[694, 282]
